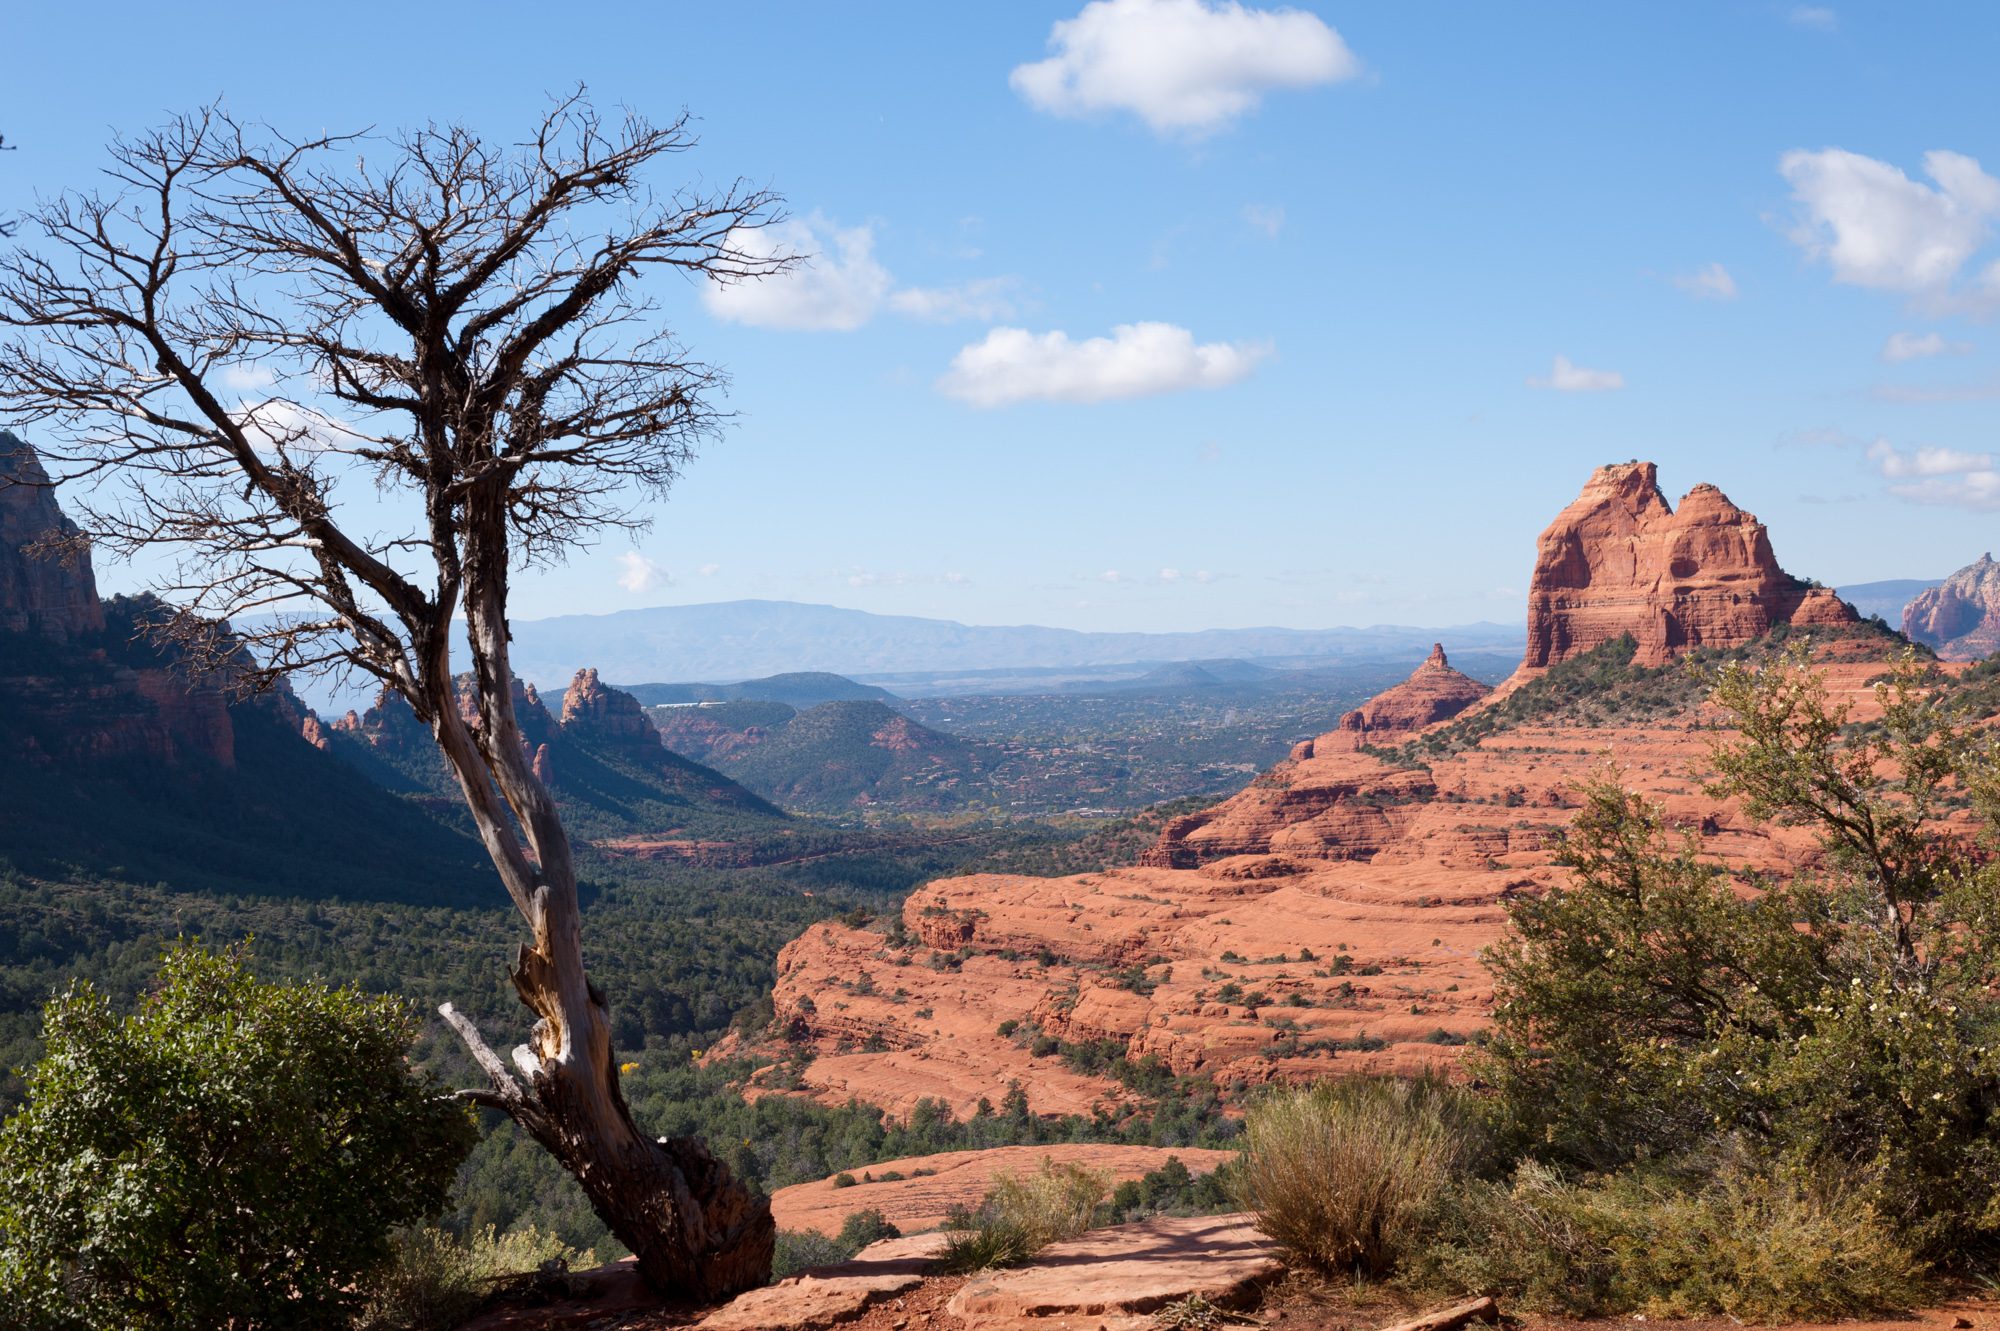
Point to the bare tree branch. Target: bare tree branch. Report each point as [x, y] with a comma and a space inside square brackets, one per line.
[348, 386]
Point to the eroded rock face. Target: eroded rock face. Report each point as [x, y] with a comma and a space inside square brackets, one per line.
[590, 707]
[1328, 919]
[1435, 692]
[41, 592]
[1960, 621]
[1621, 560]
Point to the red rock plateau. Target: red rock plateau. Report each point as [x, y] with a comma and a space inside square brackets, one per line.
[1621, 560]
[931, 1185]
[1960, 621]
[1329, 918]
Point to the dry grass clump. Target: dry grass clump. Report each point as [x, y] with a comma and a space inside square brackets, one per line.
[1022, 1214]
[439, 1279]
[1341, 1174]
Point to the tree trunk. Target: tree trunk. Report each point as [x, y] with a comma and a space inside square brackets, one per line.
[697, 1232]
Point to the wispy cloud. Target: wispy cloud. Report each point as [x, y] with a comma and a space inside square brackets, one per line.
[836, 283]
[1818, 18]
[1185, 67]
[1566, 377]
[1014, 365]
[1947, 476]
[1903, 347]
[638, 574]
[983, 299]
[1710, 283]
[1268, 218]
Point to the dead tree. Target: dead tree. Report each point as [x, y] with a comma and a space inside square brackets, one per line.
[352, 385]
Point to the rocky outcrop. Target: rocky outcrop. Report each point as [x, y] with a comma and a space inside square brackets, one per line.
[1960, 620]
[1621, 560]
[46, 583]
[610, 716]
[1435, 692]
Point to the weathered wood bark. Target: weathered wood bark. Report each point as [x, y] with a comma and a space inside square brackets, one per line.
[695, 1230]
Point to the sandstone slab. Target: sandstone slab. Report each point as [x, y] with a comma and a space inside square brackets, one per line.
[830, 1295]
[1125, 1272]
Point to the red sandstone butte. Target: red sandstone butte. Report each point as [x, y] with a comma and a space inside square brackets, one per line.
[1960, 620]
[1434, 693]
[1329, 918]
[1621, 560]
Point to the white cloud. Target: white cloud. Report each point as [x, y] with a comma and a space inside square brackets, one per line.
[280, 424]
[1014, 365]
[709, 570]
[1895, 463]
[1710, 283]
[836, 283]
[1817, 17]
[1565, 377]
[983, 299]
[244, 377]
[638, 574]
[1916, 346]
[1185, 67]
[1947, 476]
[1268, 218]
[1875, 227]
[1111, 575]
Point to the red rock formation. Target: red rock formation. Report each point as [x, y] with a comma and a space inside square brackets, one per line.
[606, 714]
[1435, 692]
[1960, 621]
[1329, 918]
[43, 591]
[1621, 560]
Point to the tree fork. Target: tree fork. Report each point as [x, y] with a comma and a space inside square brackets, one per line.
[699, 1232]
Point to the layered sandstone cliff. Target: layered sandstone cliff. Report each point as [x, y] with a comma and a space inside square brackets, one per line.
[46, 583]
[1960, 620]
[1620, 560]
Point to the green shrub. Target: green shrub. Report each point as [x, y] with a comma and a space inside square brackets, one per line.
[1022, 1214]
[1695, 1243]
[236, 1154]
[801, 1250]
[1840, 1025]
[1341, 1174]
[437, 1280]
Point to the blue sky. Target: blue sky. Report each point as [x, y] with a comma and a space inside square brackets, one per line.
[1347, 245]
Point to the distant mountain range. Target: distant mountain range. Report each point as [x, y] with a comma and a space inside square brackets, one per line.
[739, 640]
[798, 689]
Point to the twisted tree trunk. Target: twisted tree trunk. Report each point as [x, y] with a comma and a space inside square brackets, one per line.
[696, 1231]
